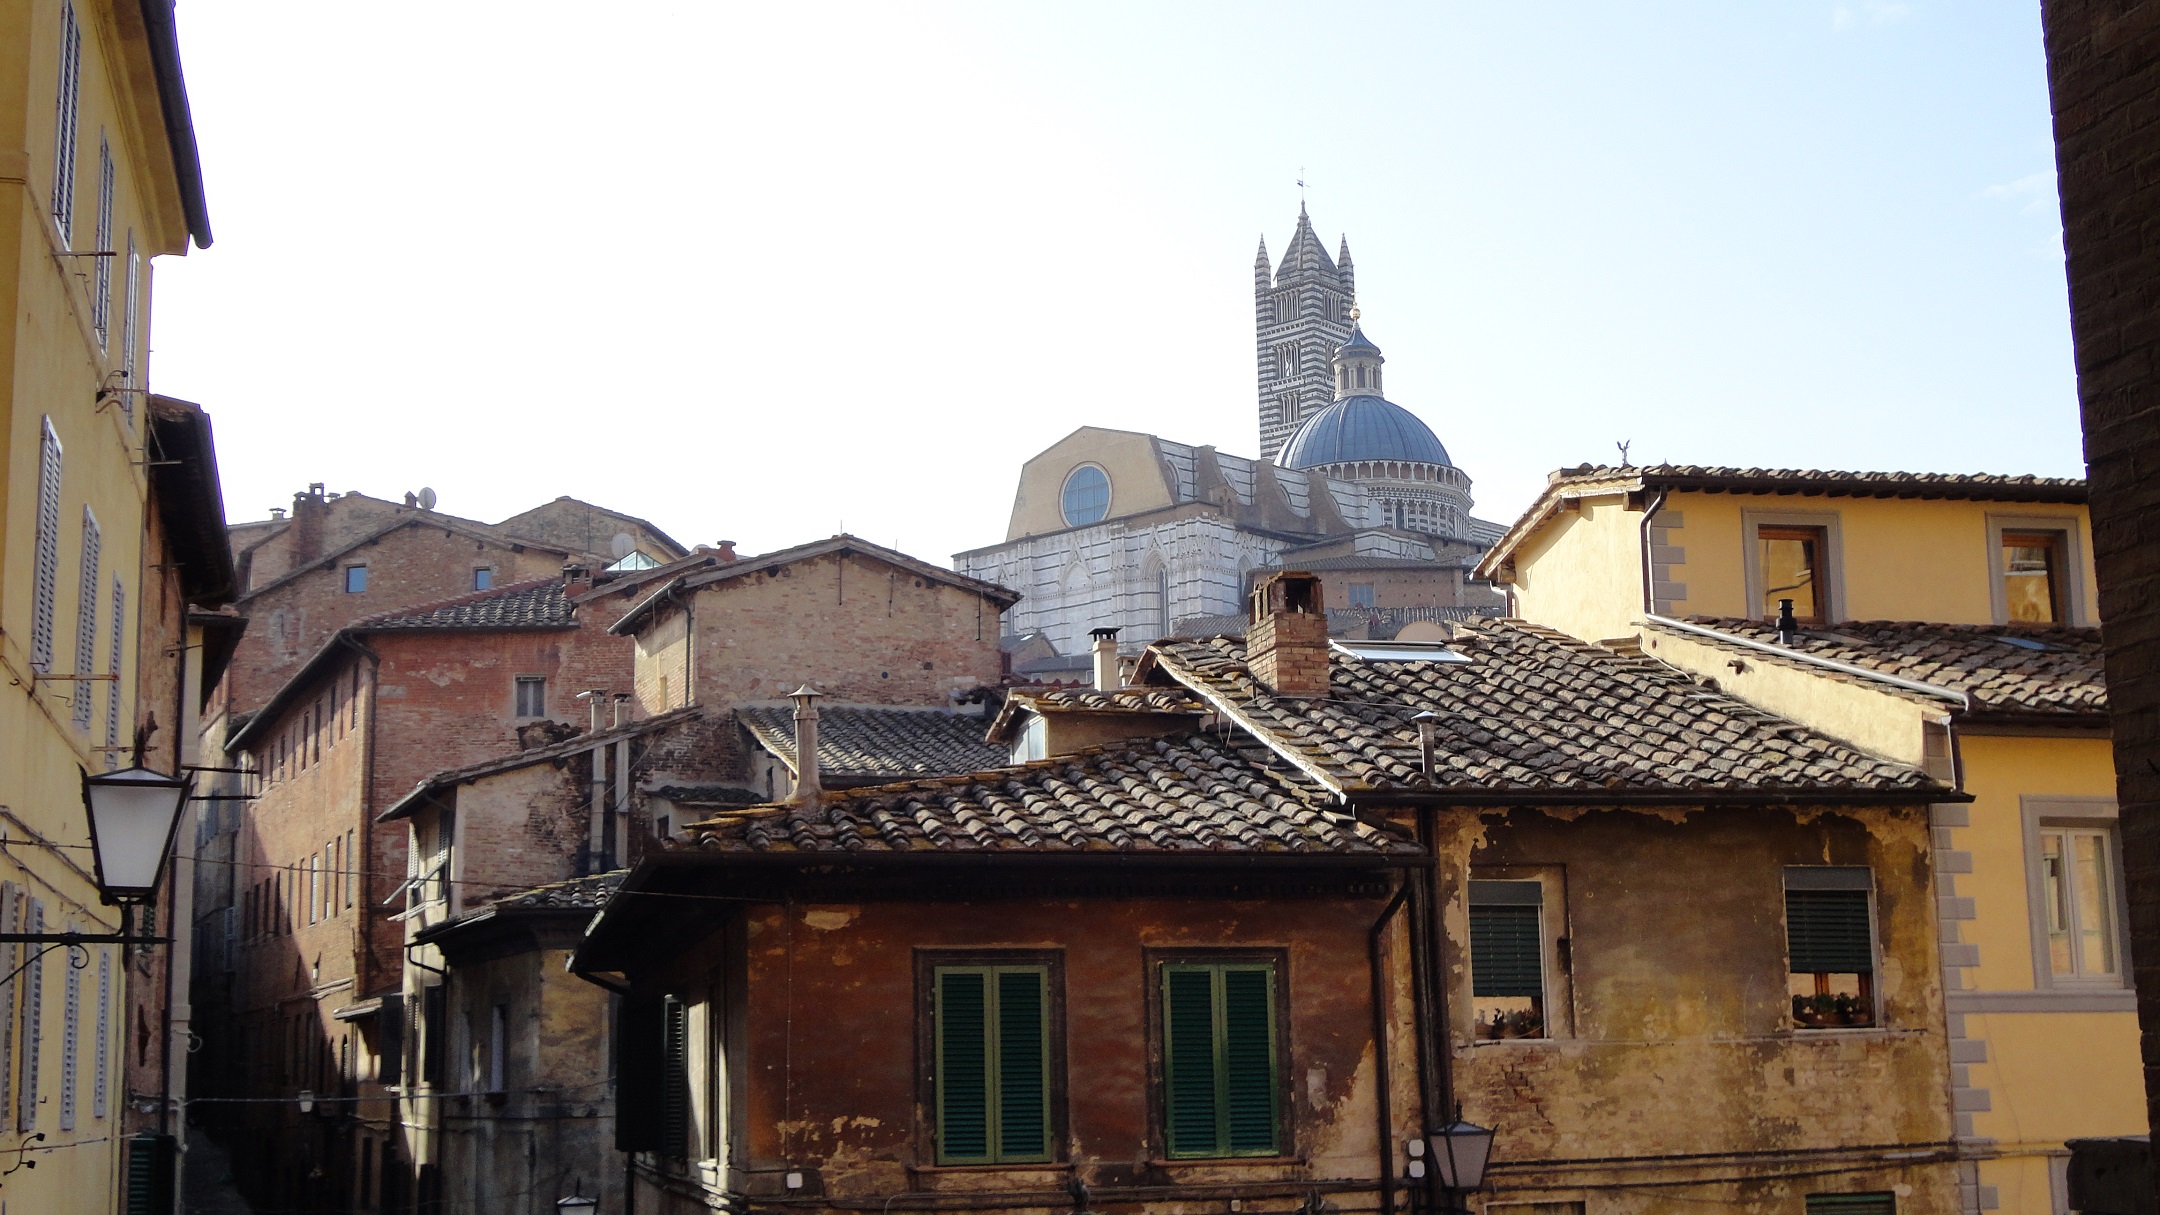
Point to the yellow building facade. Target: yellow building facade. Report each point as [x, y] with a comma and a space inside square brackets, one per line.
[1942, 621]
[98, 166]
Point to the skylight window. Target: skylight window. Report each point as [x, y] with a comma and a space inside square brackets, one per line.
[1398, 651]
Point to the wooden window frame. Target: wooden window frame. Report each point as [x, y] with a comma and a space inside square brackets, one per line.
[1829, 578]
[927, 964]
[1286, 1147]
[1556, 946]
[2072, 607]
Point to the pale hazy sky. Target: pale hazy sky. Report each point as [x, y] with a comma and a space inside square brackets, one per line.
[759, 272]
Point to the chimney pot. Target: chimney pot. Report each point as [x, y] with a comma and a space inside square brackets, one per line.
[807, 787]
[577, 578]
[726, 552]
[1108, 676]
[1286, 644]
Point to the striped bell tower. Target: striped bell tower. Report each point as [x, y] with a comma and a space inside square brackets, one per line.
[1301, 313]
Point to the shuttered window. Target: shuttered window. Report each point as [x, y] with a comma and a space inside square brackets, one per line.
[33, 1010]
[86, 614]
[101, 1072]
[1828, 928]
[675, 1078]
[116, 635]
[1507, 958]
[45, 580]
[11, 956]
[129, 304]
[66, 105]
[1882, 1203]
[1221, 1096]
[70, 1039]
[991, 1031]
[101, 280]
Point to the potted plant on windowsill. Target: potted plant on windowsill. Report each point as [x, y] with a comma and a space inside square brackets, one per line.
[1852, 1010]
[1815, 1012]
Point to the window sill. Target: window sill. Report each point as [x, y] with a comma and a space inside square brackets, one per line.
[996, 1166]
[1227, 1162]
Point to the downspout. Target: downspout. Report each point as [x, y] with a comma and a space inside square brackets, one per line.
[1649, 601]
[1374, 943]
[1439, 1033]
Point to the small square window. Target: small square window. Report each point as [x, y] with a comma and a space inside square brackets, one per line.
[1792, 562]
[482, 578]
[1830, 941]
[531, 696]
[2032, 571]
[355, 579]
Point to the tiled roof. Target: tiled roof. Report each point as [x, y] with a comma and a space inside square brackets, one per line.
[577, 894]
[1831, 481]
[890, 743]
[2001, 668]
[1532, 711]
[707, 795]
[452, 777]
[1169, 796]
[1342, 621]
[537, 604]
[1088, 700]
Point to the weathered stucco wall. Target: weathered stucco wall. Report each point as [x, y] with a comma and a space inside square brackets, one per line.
[1682, 1040]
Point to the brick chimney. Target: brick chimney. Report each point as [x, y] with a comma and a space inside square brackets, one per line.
[576, 579]
[308, 510]
[725, 551]
[1286, 642]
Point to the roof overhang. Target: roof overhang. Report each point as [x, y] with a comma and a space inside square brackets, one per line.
[190, 500]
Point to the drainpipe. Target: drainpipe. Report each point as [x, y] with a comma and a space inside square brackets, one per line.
[1375, 941]
[1436, 1079]
[1649, 600]
[807, 787]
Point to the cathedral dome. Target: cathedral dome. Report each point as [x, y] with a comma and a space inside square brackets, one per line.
[1356, 428]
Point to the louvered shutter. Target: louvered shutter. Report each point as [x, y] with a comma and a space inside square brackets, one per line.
[11, 955]
[963, 1080]
[1883, 1203]
[1189, 1106]
[434, 1034]
[1507, 946]
[118, 638]
[102, 1074]
[45, 577]
[1023, 1119]
[152, 1161]
[33, 1014]
[392, 1029]
[1828, 931]
[1248, 1038]
[64, 124]
[86, 614]
[675, 1080]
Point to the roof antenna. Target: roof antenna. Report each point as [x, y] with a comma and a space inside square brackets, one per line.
[1623, 445]
[1301, 189]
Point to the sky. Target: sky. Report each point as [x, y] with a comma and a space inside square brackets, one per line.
[764, 273]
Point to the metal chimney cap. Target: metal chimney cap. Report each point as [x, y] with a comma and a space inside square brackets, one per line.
[804, 691]
[1102, 634]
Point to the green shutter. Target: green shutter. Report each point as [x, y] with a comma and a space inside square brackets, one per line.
[1023, 1085]
[1883, 1203]
[1828, 931]
[993, 1083]
[675, 1080]
[963, 1067]
[1248, 1021]
[1220, 1087]
[1506, 951]
[1189, 1059]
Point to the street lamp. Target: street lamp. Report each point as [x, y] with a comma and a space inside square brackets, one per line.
[576, 1204]
[1460, 1151]
[133, 815]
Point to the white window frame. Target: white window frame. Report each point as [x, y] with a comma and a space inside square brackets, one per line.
[130, 304]
[1751, 524]
[67, 106]
[2071, 527]
[2073, 814]
[518, 684]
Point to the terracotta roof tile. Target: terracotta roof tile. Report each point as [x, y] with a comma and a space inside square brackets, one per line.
[577, 894]
[2001, 668]
[1187, 795]
[1531, 710]
[889, 743]
[536, 604]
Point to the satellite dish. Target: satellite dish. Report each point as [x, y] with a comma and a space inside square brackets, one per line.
[622, 545]
[427, 498]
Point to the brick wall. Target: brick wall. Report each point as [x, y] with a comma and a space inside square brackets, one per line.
[420, 563]
[2104, 78]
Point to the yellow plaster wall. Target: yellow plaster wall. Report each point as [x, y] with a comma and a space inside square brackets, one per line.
[52, 364]
[1998, 771]
[1901, 559]
[1878, 722]
[1582, 574]
[1134, 466]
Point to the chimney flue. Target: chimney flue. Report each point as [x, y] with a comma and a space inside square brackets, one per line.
[1286, 643]
[807, 789]
[1788, 629]
[1108, 678]
[577, 579]
[593, 699]
[622, 705]
[1428, 727]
